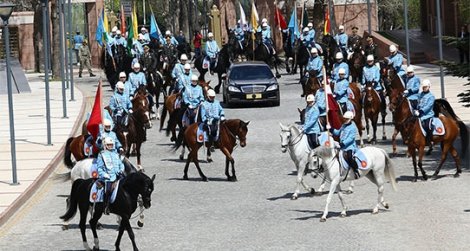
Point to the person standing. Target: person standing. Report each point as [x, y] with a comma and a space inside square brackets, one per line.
[464, 51]
[85, 58]
[77, 41]
[197, 44]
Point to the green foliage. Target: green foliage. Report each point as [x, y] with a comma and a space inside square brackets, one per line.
[464, 7]
[391, 14]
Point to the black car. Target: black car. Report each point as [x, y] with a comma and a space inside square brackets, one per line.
[250, 82]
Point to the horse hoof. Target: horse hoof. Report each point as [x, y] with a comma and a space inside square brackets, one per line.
[375, 211]
[386, 205]
[384, 137]
[234, 178]
[312, 191]
[278, 75]
[181, 157]
[217, 90]
[425, 177]
[456, 175]
[96, 249]
[140, 224]
[173, 139]
[294, 197]
[414, 179]
[185, 177]
[343, 215]
[99, 226]
[322, 219]
[65, 227]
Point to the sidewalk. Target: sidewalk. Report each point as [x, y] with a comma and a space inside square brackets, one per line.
[35, 159]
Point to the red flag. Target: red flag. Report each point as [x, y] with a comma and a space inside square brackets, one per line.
[123, 20]
[326, 29]
[96, 118]
[279, 20]
[333, 110]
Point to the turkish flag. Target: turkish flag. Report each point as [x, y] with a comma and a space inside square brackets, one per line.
[326, 28]
[123, 21]
[96, 116]
[333, 109]
[279, 20]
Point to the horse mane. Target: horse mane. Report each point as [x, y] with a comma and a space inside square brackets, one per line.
[323, 151]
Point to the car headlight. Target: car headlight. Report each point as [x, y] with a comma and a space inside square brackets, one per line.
[272, 87]
[232, 88]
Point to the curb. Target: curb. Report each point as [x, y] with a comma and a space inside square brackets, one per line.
[44, 175]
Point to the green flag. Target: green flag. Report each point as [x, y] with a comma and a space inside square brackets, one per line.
[130, 35]
[305, 19]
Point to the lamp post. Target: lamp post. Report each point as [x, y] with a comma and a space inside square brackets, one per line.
[407, 37]
[62, 56]
[439, 33]
[5, 12]
[45, 24]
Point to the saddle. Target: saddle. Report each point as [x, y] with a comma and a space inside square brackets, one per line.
[189, 115]
[97, 192]
[437, 125]
[88, 146]
[203, 136]
[349, 107]
[360, 158]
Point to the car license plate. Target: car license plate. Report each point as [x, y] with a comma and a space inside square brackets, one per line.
[254, 96]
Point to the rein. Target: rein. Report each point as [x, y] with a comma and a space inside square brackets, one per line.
[291, 141]
[231, 133]
[320, 170]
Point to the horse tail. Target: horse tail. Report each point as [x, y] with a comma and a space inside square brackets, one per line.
[442, 103]
[72, 210]
[390, 170]
[68, 153]
[163, 115]
[463, 137]
[179, 140]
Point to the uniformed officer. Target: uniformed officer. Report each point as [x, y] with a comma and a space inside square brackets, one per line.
[77, 41]
[347, 140]
[211, 114]
[342, 40]
[412, 87]
[425, 110]
[85, 57]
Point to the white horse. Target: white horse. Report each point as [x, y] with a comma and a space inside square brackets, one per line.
[295, 141]
[82, 170]
[326, 160]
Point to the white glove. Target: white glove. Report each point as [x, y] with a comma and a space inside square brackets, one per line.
[106, 176]
[130, 111]
[406, 92]
[337, 146]
[131, 97]
[190, 106]
[416, 113]
[328, 127]
[222, 118]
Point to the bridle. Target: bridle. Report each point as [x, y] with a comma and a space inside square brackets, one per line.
[294, 141]
[320, 170]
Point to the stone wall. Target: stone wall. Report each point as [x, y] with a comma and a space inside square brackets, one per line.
[23, 21]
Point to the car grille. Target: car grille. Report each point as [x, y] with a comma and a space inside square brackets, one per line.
[253, 88]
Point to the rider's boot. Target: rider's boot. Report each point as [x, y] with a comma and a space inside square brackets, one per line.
[106, 202]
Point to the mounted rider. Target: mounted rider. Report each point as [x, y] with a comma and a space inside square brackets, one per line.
[184, 80]
[145, 36]
[211, 114]
[119, 40]
[127, 85]
[425, 110]
[179, 68]
[412, 87]
[136, 78]
[320, 103]
[212, 51]
[266, 37]
[306, 39]
[169, 51]
[112, 35]
[371, 49]
[341, 90]
[396, 60]
[120, 105]
[342, 40]
[315, 63]
[354, 39]
[172, 38]
[311, 127]
[311, 31]
[148, 62]
[264, 21]
[192, 97]
[347, 140]
[371, 73]
[240, 34]
[110, 168]
[108, 132]
[137, 48]
[339, 64]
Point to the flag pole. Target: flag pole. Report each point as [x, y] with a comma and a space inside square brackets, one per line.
[326, 100]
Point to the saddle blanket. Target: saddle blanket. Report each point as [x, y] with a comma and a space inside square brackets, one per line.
[360, 158]
[177, 103]
[438, 126]
[350, 93]
[88, 147]
[206, 63]
[202, 135]
[94, 170]
[325, 139]
[97, 195]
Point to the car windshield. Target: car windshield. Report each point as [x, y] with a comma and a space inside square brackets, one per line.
[252, 72]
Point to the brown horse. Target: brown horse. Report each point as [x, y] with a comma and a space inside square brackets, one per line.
[409, 127]
[356, 63]
[312, 84]
[230, 130]
[372, 108]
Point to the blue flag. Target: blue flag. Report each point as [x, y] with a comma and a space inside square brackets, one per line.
[154, 30]
[293, 26]
[100, 30]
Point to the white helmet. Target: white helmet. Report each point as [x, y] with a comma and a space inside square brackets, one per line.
[183, 57]
[314, 51]
[194, 78]
[143, 29]
[339, 55]
[410, 69]
[187, 66]
[341, 71]
[109, 143]
[310, 98]
[370, 57]
[392, 48]
[264, 25]
[140, 37]
[120, 85]
[210, 34]
[118, 32]
[306, 29]
[107, 122]
[115, 28]
[122, 74]
[239, 21]
[341, 27]
[264, 20]
[426, 83]
[168, 33]
[348, 115]
[211, 93]
[310, 24]
[137, 65]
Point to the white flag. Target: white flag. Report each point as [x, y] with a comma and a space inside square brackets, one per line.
[242, 17]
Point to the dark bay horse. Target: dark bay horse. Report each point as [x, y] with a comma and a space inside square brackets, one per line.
[330, 48]
[230, 130]
[301, 58]
[237, 48]
[116, 62]
[223, 63]
[130, 187]
[409, 127]
[289, 53]
[372, 108]
[262, 53]
[356, 63]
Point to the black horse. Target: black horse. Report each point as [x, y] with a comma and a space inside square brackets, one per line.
[130, 187]
[223, 63]
[357, 61]
[330, 48]
[288, 50]
[184, 48]
[262, 53]
[114, 61]
[237, 48]
[302, 56]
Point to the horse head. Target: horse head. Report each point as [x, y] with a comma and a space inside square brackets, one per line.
[396, 99]
[140, 106]
[369, 91]
[141, 184]
[205, 86]
[285, 137]
[238, 128]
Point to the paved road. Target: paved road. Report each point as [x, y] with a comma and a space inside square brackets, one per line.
[256, 213]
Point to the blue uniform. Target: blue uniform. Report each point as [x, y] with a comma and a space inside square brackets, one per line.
[397, 62]
[109, 165]
[120, 102]
[311, 33]
[120, 41]
[211, 111]
[341, 91]
[347, 136]
[266, 34]
[212, 48]
[312, 124]
[320, 101]
[128, 90]
[137, 49]
[174, 41]
[342, 40]
[178, 70]
[146, 39]
[268, 28]
[307, 40]
[426, 103]
[371, 74]
[412, 85]
[110, 134]
[136, 80]
[77, 40]
[184, 80]
[193, 95]
[239, 34]
[336, 67]
[316, 64]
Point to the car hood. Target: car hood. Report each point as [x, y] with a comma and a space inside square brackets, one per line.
[254, 82]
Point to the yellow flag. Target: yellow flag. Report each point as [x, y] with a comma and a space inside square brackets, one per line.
[134, 22]
[105, 22]
[254, 17]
